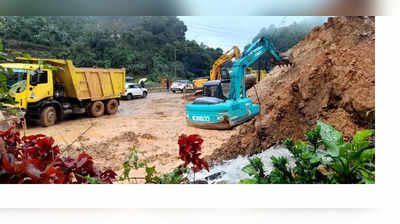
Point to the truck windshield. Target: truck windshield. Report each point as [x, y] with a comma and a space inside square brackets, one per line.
[17, 82]
[17, 87]
[18, 75]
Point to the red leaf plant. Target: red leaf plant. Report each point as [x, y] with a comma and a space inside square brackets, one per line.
[35, 160]
[190, 151]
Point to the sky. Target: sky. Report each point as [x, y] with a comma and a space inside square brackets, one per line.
[253, 7]
[227, 31]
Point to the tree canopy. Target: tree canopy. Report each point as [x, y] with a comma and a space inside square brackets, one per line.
[153, 47]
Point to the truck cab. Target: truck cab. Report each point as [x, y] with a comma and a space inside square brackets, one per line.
[31, 84]
[32, 90]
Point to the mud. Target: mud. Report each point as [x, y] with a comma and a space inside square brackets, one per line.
[152, 125]
[333, 80]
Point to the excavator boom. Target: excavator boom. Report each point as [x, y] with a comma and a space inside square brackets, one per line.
[215, 73]
[254, 52]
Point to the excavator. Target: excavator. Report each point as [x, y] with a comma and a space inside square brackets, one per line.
[215, 72]
[214, 110]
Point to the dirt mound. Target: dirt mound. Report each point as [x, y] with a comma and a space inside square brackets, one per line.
[333, 80]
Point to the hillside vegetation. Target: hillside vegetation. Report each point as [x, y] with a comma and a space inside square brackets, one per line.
[152, 47]
[145, 46]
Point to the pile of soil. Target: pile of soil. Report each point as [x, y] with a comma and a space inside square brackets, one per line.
[333, 80]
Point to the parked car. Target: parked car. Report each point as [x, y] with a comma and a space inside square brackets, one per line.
[133, 90]
[181, 85]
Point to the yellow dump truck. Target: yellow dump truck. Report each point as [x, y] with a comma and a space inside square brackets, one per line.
[48, 89]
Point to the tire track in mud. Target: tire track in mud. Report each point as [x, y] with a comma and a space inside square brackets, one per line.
[152, 125]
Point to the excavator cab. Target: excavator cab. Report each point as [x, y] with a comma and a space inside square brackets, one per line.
[212, 93]
[213, 89]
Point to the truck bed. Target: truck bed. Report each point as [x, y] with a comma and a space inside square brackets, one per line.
[98, 84]
[86, 83]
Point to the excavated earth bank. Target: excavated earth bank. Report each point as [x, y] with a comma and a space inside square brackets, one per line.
[333, 80]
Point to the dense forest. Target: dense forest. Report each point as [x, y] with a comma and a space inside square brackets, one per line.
[153, 47]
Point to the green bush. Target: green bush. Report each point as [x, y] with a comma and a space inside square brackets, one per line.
[325, 159]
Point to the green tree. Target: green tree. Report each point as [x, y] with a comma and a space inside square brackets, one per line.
[144, 45]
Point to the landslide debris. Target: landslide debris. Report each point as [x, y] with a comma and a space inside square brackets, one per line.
[333, 80]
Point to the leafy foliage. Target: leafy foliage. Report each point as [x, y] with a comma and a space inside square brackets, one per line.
[256, 169]
[152, 47]
[4, 75]
[34, 159]
[326, 159]
[189, 153]
[355, 161]
[134, 162]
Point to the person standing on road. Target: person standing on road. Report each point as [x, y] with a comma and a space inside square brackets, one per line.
[167, 84]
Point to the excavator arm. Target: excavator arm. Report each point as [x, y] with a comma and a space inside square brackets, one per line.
[254, 52]
[258, 49]
[215, 73]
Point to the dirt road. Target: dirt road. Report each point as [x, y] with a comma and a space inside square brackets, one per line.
[152, 125]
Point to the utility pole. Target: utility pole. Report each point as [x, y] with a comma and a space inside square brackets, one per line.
[175, 64]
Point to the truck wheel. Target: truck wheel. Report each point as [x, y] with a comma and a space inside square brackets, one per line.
[112, 106]
[48, 116]
[97, 109]
[144, 94]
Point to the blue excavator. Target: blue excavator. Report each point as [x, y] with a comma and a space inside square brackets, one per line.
[216, 111]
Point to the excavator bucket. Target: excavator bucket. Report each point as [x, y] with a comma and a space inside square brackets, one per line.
[286, 59]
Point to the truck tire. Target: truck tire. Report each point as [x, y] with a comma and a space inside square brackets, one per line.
[48, 116]
[97, 109]
[144, 94]
[112, 106]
